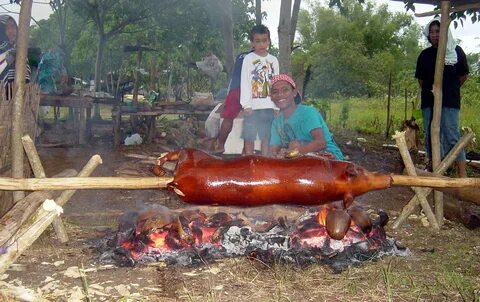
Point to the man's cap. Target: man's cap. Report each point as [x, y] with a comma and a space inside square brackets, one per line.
[282, 77]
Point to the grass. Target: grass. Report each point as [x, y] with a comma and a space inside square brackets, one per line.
[442, 276]
[369, 115]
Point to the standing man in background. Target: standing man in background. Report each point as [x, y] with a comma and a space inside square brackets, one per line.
[454, 75]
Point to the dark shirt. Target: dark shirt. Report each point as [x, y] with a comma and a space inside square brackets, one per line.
[237, 71]
[451, 77]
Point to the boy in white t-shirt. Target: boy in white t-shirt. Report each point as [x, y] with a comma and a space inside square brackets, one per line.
[258, 68]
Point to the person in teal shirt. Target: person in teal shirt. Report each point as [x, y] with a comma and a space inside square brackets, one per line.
[297, 128]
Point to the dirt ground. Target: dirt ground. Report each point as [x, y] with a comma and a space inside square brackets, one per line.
[444, 266]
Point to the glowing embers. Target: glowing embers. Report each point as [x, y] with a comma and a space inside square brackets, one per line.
[193, 237]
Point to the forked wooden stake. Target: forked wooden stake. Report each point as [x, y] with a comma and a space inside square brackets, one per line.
[446, 162]
[407, 160]
[39, 172]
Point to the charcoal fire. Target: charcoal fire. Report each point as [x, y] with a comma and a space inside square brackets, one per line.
[192, 237]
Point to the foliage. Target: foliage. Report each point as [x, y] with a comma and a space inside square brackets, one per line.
[368, 115]
[178, 32]
[352, 50]
[473, 13]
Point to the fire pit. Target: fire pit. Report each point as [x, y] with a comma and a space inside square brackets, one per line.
[192, 237]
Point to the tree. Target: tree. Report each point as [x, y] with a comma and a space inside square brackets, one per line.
[110, 17]
[344, 53]
[60, 8]
[286, 33]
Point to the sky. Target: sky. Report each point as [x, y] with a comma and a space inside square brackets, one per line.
[469, 34]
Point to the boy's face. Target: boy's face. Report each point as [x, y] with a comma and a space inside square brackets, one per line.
[11, 30]
[283, 94]
[260, 44]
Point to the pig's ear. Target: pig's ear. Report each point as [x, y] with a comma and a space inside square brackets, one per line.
[352, 170]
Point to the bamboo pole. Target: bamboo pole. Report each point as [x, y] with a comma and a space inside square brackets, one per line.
[434, 182]
[465, 194]
[19, 84]
[39, 172]
[447, 162]
[139, 183]
[407, 160]
[437, 106]
[86, 171]
[67, 183]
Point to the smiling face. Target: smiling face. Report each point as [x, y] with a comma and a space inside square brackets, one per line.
[283, 94]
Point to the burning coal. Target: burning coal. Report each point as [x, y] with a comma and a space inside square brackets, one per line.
[192, 237]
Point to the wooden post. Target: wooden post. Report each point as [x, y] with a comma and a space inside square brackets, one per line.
[39, 172]
[387, 128]
[407, 160]
[447, 162]
[437, 106]
[117, 124]
[82, 126]
[19, 83]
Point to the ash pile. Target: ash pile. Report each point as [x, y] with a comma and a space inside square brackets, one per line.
[191, 237]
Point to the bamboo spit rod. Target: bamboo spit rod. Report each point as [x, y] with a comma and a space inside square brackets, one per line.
[74, 183]
[70, 183]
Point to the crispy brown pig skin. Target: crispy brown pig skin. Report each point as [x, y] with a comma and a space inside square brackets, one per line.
[251, 181]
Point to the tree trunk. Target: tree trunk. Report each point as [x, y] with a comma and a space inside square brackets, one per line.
[293, 23]
[284, 54]
[19, 83]
[136, 81]
[228, 36]
[258, 12]
[437, 107]
[60, 8]
[98, 69]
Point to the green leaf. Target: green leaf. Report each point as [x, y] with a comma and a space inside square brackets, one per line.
[417, 114]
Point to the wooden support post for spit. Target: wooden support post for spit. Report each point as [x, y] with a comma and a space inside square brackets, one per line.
[33, 228]
[39, 172]
[444, 165]
[117, 124]
[82, 126]
[407, 160]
